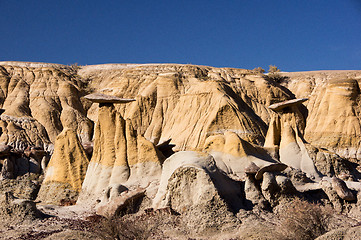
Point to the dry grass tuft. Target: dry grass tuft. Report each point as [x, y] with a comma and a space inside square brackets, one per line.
[302, 220]
[150, 224]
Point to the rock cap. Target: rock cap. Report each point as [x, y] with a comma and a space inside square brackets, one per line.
[281, 105]
[103, 98]
[252, 168]
[274, 167]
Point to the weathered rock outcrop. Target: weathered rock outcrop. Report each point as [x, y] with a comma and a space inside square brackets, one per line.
[351, 233]
[285, 137]
[233, 154]
[120, 157]
[333, 109]
[203, 100]
[39, 101]
[237, 116]
[66, 170]
[192, 185]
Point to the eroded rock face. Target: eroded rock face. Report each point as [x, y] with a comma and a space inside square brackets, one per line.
[221, 111]
[120, 156]
[66, 170]
[333, 109]
[39, 101]
[192, 185]
[47, 97]
[203, 100]
[234, 155]
[285, 137]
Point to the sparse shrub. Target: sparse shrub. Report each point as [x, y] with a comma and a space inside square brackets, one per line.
[274, 74]
[258, 70]
[74, 67]
[273, 69]
[150, 224]
[118, 228]
[302, 220]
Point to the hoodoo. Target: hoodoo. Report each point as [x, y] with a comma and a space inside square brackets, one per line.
[120, 156]
[285, 136]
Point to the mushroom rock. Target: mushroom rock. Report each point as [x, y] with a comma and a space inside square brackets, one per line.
[333, 109]
[65, 171]
[120, 156]
[251, 169]
[252, 188]
[233, 155]
[273, 167]
[284, 135]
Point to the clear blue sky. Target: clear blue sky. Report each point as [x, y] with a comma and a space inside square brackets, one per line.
[295, 35]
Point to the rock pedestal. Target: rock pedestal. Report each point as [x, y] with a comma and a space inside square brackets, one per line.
[120, 156]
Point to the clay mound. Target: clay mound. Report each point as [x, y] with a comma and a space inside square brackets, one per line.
[192, 185]
[15, 211]
[120, 157]
[66, 170]
[233, 154]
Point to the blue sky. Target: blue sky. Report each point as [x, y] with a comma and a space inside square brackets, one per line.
[295, 35]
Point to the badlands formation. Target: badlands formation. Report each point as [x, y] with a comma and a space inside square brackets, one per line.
[219, 149]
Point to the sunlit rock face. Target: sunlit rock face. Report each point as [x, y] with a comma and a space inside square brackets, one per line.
[65, 171]
[333, 109]
[222, 111]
